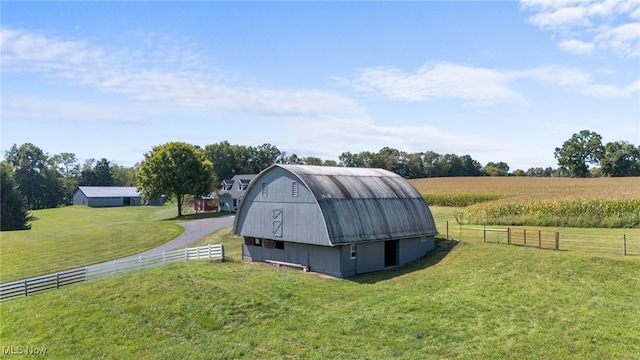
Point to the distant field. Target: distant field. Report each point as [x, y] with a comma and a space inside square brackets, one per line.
[75, 236]
[598, 202]
[532, 189]
[476, 301]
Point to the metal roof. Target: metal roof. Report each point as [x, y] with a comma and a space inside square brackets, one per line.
[109, 191]
[365, 204]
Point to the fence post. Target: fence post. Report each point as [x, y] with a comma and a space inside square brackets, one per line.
[222, 251]
[26, 291]
[57, 280]
[186, 254]
[539, 238]
[557, 240]
[509, 236]
[624, 244]
[447, 229]
[525, 237]
[484, 233]
[115, 267]
[209, 250]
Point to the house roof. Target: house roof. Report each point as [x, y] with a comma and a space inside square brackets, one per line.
[109, 191]
[235, 191]
[364, 204]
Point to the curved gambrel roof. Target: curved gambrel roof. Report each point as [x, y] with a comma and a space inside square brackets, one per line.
[363, 204]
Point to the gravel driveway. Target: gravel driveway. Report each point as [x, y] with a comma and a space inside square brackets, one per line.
[193, 231]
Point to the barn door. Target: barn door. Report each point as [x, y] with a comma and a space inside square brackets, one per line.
[277, 222]
[390, 253]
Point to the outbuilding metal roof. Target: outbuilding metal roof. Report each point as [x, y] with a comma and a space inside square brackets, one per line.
[109, 191]
[364, 204]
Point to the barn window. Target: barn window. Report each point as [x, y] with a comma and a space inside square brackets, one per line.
[251, 241]
[294, 189]
[264, 189]
[353, 251]
[274, 244]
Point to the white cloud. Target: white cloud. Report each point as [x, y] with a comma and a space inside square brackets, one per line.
[587, 25]
[576, 47]
[160, 76]
[440, 81]
[624, 40]
[577, 81]
[36, 108]
[477, 86]
[568, 16]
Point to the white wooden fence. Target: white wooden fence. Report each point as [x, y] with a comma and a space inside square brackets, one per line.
[38, 284]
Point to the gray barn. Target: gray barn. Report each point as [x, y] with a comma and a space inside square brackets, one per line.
[334, 220]
[103, 196]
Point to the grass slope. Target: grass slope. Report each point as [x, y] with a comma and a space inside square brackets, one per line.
[472, 301]
[74, 236]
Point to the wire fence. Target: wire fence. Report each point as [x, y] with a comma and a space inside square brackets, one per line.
[624, 244]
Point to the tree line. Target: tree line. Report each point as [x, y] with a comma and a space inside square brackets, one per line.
[32, 179]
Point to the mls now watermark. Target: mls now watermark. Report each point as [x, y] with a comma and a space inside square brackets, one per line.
[23, 350]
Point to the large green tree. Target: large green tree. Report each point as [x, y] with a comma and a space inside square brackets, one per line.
[68, 169]
[579, 151]
[175, 169]
[99, 174]
[229, 160]
[13, 212]
[38, 182]
[620, 158]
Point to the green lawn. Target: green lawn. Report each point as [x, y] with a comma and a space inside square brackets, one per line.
[472, 301]
[74, 236]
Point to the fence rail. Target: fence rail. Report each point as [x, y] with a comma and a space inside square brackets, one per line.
[547, 239]
[38, 284]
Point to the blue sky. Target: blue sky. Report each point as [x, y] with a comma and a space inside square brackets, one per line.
[500, 81]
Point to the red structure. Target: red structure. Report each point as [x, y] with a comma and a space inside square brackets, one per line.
[204, 203]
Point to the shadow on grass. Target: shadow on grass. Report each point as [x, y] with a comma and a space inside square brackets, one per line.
[443, 248]
[201, 215]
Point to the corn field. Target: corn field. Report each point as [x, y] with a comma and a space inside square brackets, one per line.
[613, 213]
[526, 201]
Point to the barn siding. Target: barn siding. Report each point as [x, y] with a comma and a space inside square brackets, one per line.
[326, 260]
[413, 249]
[105, 201]
[369, 257]
[252, 253]
[79, 198]
[348, 265]
[296, 253]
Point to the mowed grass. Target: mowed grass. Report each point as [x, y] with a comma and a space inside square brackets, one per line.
[564, 202]
[74, 236]
[472, 301]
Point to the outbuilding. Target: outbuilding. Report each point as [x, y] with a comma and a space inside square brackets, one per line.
[232, 190]
[334, 220]
[104, 196]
